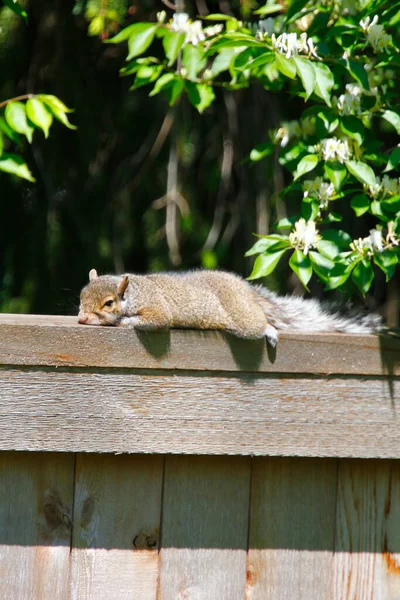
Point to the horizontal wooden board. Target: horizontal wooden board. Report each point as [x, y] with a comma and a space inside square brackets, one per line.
[193, 413]
[59, 341]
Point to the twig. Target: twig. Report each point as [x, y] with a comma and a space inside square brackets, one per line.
[16, 99]
[169, 4]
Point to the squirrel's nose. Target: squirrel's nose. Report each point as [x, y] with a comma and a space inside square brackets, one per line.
[83, 319]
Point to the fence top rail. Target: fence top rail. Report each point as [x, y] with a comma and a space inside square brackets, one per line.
[58, 341]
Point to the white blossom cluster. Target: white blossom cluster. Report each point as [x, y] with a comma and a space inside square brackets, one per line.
[368, 245]
[349, 103]
[384, 188]
[321, 190]
[334, 149]
[376, 35]
[264, 28]
[304, 236]
[193, 30]
[291, 45]
[293, 129]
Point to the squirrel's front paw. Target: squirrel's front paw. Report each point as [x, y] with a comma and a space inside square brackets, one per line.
[272, 335]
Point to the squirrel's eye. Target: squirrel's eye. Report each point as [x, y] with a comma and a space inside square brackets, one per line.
[109, 303]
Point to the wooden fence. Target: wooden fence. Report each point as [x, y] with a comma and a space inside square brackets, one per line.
[195, 466]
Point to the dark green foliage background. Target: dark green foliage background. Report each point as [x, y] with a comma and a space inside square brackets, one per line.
[94, 201]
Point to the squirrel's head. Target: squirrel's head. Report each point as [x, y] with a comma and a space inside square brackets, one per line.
[102, 299]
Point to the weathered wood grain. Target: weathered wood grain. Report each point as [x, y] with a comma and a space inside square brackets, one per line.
[204, 528]
[292, 529]
[116, 527]
[36, 493]
[60, 341]
[198, 414]
[366, 564]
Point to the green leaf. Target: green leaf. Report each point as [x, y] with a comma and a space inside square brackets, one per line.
[301, 265]
[339, 275]
[354, 128]
[57, 109]
[53, 102]
[264, 243]
[392, 118]
[324, 82]
[338, 236]
[265, 264]
[12, 163]
[329, 119]
[361, 171]
[322, 265]
[15, 115]
[39, 115]
[134, 29]
[307, 164]
[141, 39]
[360, 204]
[261, 151]
[268, 9]
[328, 248]
[1, 144]
[200, 95]
[8, 131]
[193, 60]
[146, 74]
[387, 262]
[217, 17]
[356, 69]
[285, 65]
[363, 275]
[305, 70]
[174, 90]
[222, 61]
[394, 160]
[16, 8]
[162, 82]
[294, 8]
[172, 43]
[336, 172]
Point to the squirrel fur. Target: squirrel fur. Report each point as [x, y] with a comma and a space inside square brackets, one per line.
[209, 300]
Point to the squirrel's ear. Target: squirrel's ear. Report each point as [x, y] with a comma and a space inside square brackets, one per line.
[123, 285]
[93, 275]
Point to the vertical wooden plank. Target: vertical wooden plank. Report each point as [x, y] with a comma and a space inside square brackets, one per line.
[116, 529]
[292, 521]
[204, 528]
[367, 549]
[36, 492]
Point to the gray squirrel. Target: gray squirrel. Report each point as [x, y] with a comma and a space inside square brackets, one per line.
[209, 300]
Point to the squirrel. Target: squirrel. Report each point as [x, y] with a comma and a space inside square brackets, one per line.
[209, 300]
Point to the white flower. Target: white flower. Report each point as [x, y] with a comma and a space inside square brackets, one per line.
[390, 187]
[305, 235]
[193, 30]
[265, 27]
[375, 237]
[365, 24]
[334, 149]
[284, 134]
[320, 190]
[349, 103]
[289, 45]
[369, 245]
[384, 188]
[213, 30]
[376, 35]
[161, 16]
[391, 237]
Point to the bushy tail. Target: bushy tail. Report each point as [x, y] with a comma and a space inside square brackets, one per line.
[312, 316]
